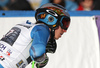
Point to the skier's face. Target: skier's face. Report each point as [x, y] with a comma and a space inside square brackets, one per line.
[59, 32]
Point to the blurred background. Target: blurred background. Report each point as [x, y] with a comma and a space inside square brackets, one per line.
[79, 47]
[70, 5]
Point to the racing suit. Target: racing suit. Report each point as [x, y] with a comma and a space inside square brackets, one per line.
[23, 41]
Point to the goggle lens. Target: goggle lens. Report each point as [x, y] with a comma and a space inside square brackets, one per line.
[65, 23]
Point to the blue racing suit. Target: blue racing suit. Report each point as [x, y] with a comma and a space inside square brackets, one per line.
[40, 36]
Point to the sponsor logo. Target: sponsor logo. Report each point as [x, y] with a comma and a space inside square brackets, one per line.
[43, 15]
[9, 52]
[2, 58]
[2, 47]
[19, 63]
[27, 22]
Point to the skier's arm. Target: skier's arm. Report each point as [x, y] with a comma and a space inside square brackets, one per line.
[40, 35]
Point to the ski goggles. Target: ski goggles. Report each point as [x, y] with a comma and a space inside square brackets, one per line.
[64, 22]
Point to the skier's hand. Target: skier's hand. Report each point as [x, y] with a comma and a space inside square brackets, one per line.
[41, 61]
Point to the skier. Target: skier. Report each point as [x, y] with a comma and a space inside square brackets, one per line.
[27, 41]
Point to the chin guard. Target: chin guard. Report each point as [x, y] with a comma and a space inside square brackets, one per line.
[51, 45]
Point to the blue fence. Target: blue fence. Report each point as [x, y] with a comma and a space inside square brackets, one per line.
[32, 13]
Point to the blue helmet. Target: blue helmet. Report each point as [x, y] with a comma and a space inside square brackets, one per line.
[53, 15]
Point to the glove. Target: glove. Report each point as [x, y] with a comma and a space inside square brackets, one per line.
[41, 61]
[51, 46]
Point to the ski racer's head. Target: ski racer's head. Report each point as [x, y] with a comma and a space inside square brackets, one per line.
[55, 17]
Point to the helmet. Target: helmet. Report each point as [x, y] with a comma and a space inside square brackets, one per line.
[53, 15]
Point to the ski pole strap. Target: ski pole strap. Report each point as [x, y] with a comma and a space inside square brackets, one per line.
[33, 62]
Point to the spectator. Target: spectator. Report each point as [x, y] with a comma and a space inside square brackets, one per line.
[69, 5]
[16, 5]
[97, 5]
[85, 5]
[3, 3]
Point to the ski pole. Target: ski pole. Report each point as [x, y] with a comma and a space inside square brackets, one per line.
[33, 62]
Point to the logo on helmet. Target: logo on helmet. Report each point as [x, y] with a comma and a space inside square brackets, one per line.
[43, 15]
[51, 19]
